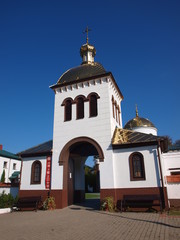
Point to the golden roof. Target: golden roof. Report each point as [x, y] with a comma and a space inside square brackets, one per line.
[138, 122]
[124, 136]
[87, 48]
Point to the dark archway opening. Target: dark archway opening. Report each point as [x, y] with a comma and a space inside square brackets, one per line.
[72, 158]
[83, 180]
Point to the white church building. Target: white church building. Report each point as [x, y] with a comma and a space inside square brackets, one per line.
[10, 166]
[88, 122]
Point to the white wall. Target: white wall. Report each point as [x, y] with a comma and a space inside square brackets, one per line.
[171, 160]
[12, 190]
[9, 170]
[6, 190]
[26, 174]
[147, 130]
[122, 169]
[100, 128]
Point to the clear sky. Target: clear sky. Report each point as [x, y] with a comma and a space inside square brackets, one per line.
[138, 41]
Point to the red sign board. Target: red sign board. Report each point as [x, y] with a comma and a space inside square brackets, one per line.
[48, 172]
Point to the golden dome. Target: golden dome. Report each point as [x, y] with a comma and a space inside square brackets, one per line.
[138, 122]
[87, 48]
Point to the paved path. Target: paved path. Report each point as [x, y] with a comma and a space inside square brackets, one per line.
[83, 222]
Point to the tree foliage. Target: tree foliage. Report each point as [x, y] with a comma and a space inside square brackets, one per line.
[177, 142]
[7, 200]
[169, 139]
[170, 142]
[90, 178]
[3, 177]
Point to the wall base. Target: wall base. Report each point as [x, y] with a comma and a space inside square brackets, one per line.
[174, 203]
[61, 198]
[119, 193]
[59, 195]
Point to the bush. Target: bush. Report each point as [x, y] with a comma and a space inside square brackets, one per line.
[107, 204]
[7, 200]
[3, 177]
[49, 203]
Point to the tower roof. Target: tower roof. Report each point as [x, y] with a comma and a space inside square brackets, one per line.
[88, 68]
[83, 71]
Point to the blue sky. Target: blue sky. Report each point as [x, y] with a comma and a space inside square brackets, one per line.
[138, 41]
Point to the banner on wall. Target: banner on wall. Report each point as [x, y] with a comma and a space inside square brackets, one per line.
[48, 172]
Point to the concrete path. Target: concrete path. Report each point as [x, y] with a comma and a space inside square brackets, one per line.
[84, 222]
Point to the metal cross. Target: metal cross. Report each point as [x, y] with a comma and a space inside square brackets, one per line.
[136, 111]
[86, 31]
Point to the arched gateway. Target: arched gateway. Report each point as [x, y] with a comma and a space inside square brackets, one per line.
[72, 158]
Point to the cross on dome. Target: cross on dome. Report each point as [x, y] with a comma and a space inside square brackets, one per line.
[136, 111]
[87, 31]
[87, 51]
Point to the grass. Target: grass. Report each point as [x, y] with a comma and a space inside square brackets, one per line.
[174, 212]
[92, 196]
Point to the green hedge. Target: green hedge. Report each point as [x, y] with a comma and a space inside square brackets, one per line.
[7, 200]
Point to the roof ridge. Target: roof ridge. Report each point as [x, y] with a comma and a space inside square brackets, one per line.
[34, 147]
[7, 154]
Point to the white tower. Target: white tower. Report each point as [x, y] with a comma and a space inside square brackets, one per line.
[87, 111]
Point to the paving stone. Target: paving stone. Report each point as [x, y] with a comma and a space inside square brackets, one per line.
[81, 222]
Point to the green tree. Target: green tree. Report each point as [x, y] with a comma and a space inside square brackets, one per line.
[3, 177]
[7, 200]
[177, 142]
[90, 178]
[169, 139]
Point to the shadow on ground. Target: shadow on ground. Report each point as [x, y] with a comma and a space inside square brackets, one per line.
[94, 205]
[89, 204]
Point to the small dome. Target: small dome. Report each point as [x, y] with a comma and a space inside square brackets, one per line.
[87, 48]
[138, 122]
[83, 71]
[88, 67]
[142, 125]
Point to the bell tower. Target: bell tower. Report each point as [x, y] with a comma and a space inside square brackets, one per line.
[87, 111]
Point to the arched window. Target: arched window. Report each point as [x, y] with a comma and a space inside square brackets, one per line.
[115, 110]
[36, 172]
[136, 163]
[93, 109]
[67, 103]
[80, 107]
[119, 115]
[93, 106]
[68, 110]
[113, 106]
[79, 101]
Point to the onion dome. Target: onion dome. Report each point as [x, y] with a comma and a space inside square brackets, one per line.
[88, 67]
[87, 53]
[140, 124]
[81, 72]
